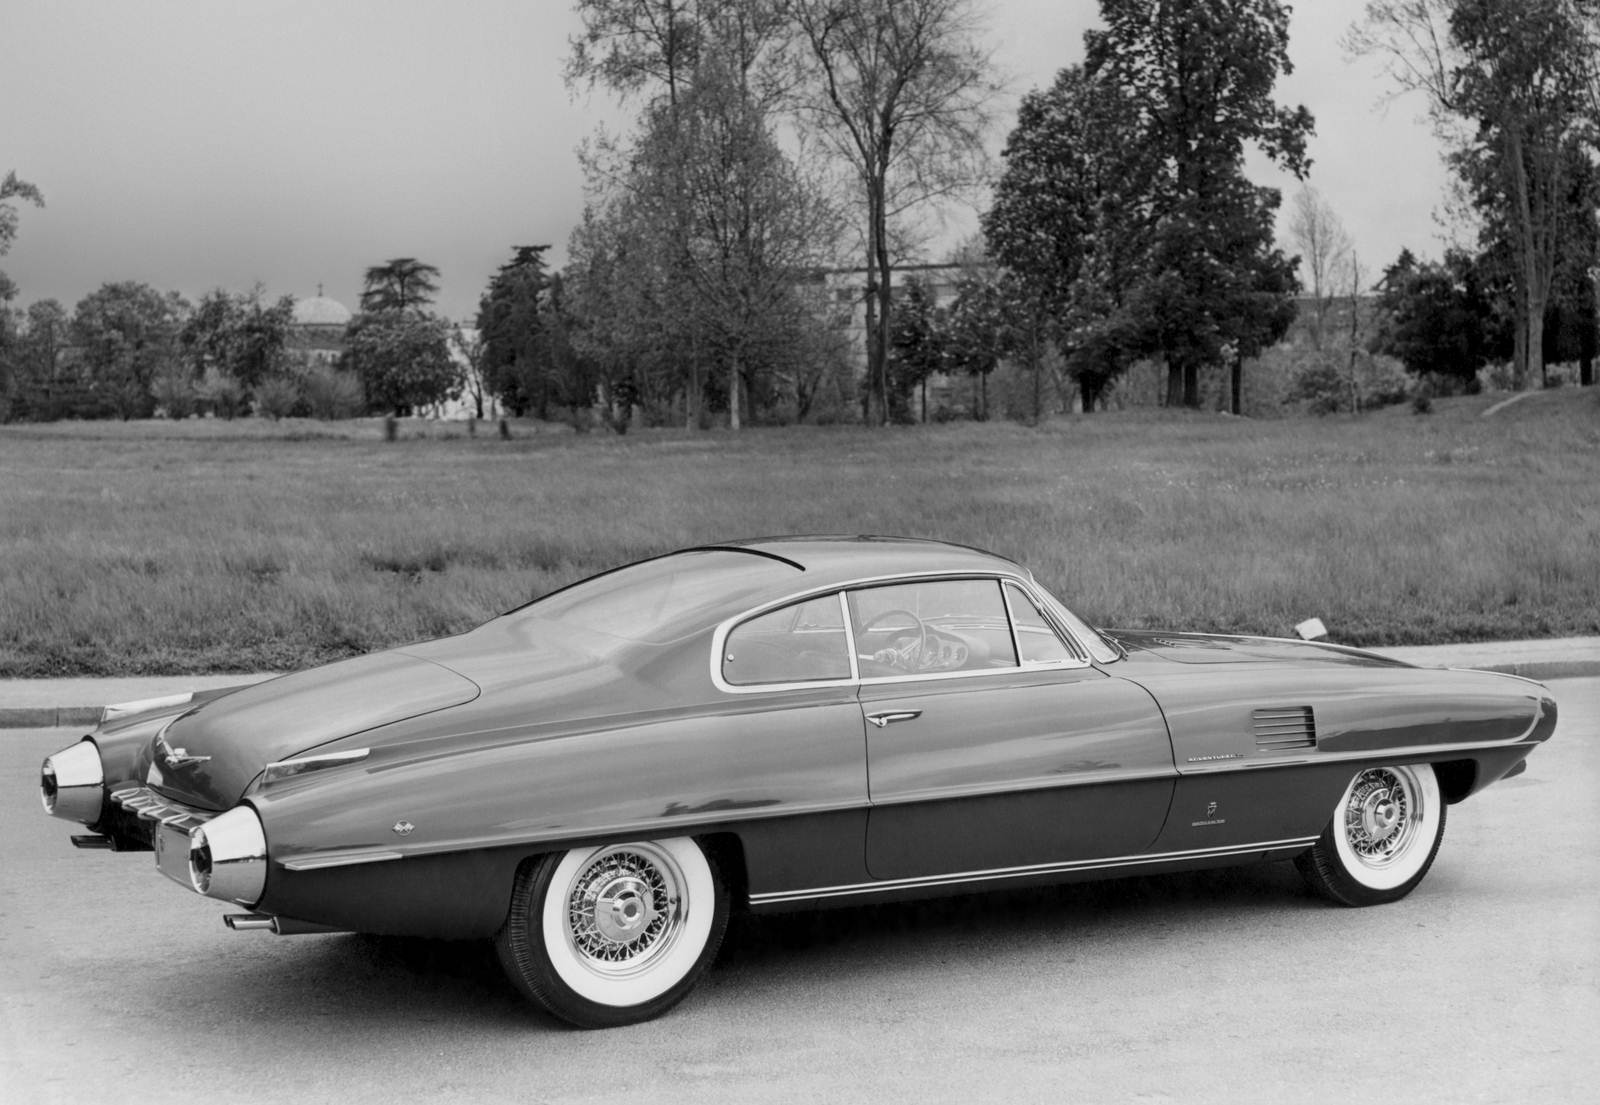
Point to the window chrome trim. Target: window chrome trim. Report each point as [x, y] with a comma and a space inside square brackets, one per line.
[1079, 657]
[719, 637]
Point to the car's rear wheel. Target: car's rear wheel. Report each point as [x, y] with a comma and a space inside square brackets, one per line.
[616, 934]
[1382, 838]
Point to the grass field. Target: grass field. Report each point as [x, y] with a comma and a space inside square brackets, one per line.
[204, 546]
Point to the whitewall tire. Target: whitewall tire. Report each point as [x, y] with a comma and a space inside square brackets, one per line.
[1382, 838]
[615, 934]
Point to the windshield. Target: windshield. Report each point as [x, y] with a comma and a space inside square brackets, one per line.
[660, 600]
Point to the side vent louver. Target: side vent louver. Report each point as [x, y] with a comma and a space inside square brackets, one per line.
[1283, 728]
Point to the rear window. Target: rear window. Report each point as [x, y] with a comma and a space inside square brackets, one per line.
[803, 643]
[662, 599]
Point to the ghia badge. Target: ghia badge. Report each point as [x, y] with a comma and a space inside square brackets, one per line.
[176, 757]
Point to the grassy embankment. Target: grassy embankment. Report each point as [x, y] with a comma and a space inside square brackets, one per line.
[162, 547]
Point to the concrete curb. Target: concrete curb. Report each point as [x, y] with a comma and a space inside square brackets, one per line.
[39, 703]
[64, 703]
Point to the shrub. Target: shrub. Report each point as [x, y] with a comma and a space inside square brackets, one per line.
[331, 393]
[276, 398]
[174, 392]
[1326, 382]
[220, 394]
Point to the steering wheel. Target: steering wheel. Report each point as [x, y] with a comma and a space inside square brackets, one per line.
[901, 661]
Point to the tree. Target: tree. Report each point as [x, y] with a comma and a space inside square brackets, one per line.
[14, 189]
[1509, 83]
[661, 50]
[11, 189]
[510, 322]
[917, 343]
[703, 230]
[753, 222]
[400, 284]
[39, 383]
[1123, 211]
[470, 346]
[126, 333]
[899, 90]
[1437, 317]
[240, 335]
[1200, 75]
[403, 359]
[1324, 246]
[633, 45]
[1572, 327]
[981, 328]
[1072, 223]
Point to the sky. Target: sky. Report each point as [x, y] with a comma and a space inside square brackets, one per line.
[195, 144]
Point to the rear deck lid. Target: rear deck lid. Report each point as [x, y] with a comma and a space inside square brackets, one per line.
[208, 756]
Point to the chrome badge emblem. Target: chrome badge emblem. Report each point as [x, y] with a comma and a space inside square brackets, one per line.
[177, 757]
[403, 827]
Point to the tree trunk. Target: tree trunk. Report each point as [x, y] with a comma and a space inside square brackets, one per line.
[1238, 383]
[881, 273]
[1535, 269]
[733, 392]
[1191, 386]
[1089, 391]
[1174, 384]
[1537, 299]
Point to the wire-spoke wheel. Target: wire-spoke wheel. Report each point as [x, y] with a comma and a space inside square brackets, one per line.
[616, 934]
[1382, 838]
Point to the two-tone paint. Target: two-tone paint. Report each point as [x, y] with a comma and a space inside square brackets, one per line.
[442, 766]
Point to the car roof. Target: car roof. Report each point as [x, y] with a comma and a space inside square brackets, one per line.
[843, 559]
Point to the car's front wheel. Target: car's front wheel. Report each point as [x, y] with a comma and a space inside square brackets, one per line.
[614, 935]
[1382, 838]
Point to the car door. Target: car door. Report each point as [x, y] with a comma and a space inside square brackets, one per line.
[791, 725]
[992, 744]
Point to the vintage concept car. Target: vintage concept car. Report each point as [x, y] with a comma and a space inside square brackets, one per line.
[594, 779]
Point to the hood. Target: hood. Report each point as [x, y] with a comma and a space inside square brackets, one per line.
[211, 753]
[1206, 648]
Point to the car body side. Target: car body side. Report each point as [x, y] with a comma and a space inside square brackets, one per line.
[1162, 769]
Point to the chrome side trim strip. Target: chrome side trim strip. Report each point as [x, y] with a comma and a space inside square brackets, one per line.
[1021, 786]
[319, 861]
[886, 885]
[1404, 754]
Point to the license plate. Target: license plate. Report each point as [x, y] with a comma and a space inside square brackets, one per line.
[172, 854]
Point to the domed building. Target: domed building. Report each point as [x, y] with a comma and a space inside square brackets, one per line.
[319, 327]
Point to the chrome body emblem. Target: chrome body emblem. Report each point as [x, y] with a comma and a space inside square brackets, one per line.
[403, 827]
[176, 757]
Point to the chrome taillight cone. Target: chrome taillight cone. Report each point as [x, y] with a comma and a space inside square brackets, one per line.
[71, 783]
[228, 857]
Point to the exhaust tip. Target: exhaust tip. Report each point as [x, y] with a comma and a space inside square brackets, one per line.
[249, 922]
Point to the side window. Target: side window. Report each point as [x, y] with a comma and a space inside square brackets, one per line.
[1036, 639]
[938, 626]
[803, 643]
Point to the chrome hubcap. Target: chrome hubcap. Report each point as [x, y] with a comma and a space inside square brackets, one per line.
[623, 909]
[1380, 817]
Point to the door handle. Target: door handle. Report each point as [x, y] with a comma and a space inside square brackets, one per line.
[882, 720]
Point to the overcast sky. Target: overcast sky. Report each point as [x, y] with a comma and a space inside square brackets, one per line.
[193, 144]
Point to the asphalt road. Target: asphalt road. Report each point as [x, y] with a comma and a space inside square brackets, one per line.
[1484, 985]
